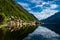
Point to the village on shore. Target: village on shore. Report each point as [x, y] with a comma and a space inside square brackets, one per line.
[16, 22]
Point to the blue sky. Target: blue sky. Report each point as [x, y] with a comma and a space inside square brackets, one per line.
[42, 9]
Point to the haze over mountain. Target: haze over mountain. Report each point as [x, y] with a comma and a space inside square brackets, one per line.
[53, 23]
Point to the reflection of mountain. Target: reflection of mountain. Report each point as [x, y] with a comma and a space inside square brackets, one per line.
[35, 37]
[40, 37]
[53, 22]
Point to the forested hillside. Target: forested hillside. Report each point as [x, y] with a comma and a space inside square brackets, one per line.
[11, 8]
[12, 13]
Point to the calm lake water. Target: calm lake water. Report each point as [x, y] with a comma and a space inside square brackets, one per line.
[42, 33]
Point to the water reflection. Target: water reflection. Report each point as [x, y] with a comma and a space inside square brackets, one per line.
[42, 33]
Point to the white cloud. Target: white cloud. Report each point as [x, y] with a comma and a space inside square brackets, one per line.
[23, 4]
[39, 1]
[29, 9]
[41, 5]
[44, 14]
[47, 12]
[36, 1]
[53, 6]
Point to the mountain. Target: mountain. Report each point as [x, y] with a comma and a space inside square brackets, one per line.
[8, 9]
[53, 22]
[11, 8]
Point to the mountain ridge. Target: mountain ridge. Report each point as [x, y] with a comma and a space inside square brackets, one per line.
[11, 8]
[53, 22]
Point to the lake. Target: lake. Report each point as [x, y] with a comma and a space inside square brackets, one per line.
[42, 33]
